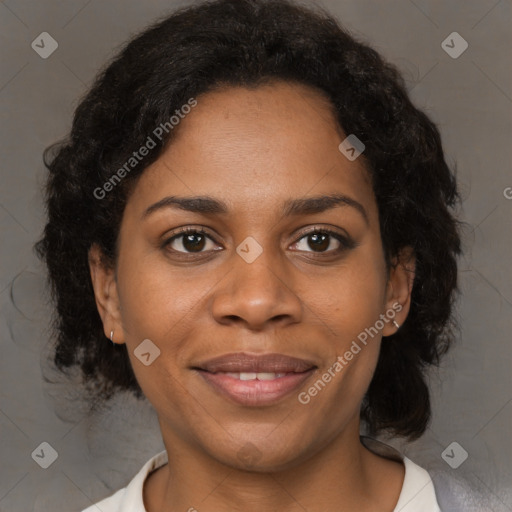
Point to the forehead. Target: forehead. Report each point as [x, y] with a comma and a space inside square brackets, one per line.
[254, 148]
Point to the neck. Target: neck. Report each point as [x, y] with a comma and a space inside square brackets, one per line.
[343, 476]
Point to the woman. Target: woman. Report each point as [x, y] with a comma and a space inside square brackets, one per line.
[250, 226]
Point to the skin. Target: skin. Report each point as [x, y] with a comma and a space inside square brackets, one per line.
[254, 149]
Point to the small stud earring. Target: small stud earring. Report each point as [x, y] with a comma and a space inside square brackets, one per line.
[396, 324]
[111, 336]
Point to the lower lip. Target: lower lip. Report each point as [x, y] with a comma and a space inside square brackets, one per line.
[255, 392]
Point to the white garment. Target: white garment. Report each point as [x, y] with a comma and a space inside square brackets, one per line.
[417, 495]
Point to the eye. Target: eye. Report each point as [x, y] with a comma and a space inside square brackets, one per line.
[189, 241]
[322, 241]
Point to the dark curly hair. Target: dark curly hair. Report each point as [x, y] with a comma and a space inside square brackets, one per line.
[247, 43]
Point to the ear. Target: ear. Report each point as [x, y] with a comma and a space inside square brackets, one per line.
[106, 295]
[399, 288]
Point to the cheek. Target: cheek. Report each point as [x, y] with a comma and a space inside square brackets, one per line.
[159, 303]
[155, 298]
[349, 301]
[350, 297]
[155, 305]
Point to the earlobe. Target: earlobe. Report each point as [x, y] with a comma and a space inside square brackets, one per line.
[105, 291]
[399, 288]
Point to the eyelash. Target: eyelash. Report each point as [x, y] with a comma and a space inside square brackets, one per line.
[345, 243]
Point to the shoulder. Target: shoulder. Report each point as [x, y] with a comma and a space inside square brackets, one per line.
[430, 487]
[130, 498]
[110, 504]
[418, 493]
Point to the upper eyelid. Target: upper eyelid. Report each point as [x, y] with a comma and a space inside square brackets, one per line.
[322, 229]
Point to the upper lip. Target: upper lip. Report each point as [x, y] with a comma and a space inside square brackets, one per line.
[257, 363]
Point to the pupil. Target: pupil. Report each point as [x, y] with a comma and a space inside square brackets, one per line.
[195, 246]
[322, 238]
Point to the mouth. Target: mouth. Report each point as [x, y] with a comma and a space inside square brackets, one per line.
[255, 380]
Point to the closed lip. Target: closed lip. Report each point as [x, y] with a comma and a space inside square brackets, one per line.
[241, 362]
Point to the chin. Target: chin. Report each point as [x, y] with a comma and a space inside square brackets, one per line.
[263, 456]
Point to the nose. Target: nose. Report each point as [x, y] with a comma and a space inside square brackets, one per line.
[257, 295]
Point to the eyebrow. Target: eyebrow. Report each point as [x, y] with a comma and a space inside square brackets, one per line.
[303, 206]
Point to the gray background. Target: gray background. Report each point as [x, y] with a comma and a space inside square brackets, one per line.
[470, 99]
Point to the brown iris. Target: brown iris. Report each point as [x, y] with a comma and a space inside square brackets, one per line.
[320, 241]
[194, 242]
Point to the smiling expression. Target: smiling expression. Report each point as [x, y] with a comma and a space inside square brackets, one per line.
[258, 170]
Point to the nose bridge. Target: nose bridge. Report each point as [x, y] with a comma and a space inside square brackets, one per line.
[257, 290]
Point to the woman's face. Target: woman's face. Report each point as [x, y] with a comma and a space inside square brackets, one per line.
[256, 280]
